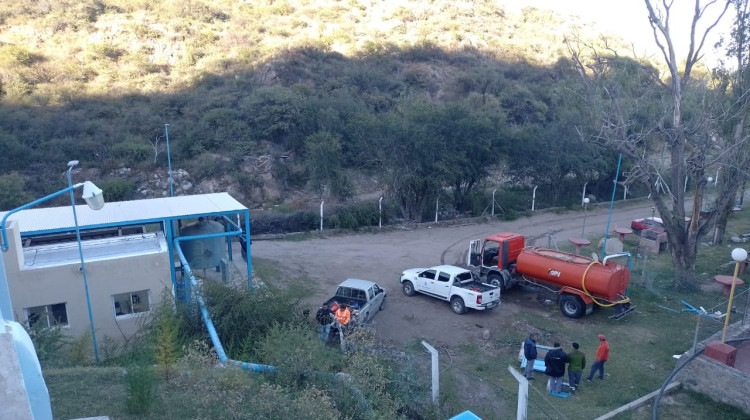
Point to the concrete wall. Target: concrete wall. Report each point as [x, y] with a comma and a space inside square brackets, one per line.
[107, 273]
[23, 393]
[715, 379]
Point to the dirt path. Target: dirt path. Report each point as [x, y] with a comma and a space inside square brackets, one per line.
[381, 257]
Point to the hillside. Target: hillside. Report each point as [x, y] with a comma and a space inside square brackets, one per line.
[267, 99]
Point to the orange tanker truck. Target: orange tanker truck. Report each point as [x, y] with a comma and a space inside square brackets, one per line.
[579, 282]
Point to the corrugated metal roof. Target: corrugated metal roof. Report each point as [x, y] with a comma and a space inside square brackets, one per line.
[124, 212]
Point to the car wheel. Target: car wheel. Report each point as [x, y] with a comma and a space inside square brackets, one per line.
[408, 288]
[572, 306]
[382, 304]
[457, 304]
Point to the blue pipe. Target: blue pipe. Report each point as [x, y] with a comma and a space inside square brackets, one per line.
[611, 205]
[220, 353]
[32, 204]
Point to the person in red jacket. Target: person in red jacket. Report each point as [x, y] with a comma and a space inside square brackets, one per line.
[602, 355]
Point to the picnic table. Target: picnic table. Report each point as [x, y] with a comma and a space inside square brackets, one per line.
[726, 281]
[579, 242]
[622, 232]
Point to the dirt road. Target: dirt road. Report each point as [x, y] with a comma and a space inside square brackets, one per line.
[382, 256]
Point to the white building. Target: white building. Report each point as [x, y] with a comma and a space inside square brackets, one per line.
[130, 256]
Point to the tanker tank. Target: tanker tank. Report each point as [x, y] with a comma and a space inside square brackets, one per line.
[563, 269]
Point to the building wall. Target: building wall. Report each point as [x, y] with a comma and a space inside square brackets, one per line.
[716, 380]
[63, 283]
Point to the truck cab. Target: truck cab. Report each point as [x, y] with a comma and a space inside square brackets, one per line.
[496, 257]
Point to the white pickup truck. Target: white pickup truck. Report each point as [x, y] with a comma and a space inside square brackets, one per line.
[462, 288]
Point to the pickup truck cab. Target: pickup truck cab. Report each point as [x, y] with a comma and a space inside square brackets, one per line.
[368, 296]
[459, 286]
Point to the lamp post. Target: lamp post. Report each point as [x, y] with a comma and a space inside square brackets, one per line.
[493, 201]
[705, 204]
[95, 200]
[89, 195]
[583, 196]
[738, 255]
[585, 206]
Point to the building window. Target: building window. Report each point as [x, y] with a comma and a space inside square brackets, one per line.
[47, 315]
[127, 304]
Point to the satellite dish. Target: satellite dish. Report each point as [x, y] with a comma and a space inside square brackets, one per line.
[595, 256]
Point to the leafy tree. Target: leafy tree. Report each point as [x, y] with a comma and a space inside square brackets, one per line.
[734, 83]
[415, 160]
[323, 158]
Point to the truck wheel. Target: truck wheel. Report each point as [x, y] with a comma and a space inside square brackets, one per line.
[408, 288]
[457, 304]
[495, 280]
[572, 306]
[382, 304]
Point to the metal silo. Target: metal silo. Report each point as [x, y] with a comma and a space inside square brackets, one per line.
[204, 252]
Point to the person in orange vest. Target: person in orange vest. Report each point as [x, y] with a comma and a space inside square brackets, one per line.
[602, 355]
[343, 315]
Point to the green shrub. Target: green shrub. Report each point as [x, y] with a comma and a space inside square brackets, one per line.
[118, 189]
[140, 384]
[133, 154]
[239, 315]
[80, 350]
[354, 216]
[12, 193]
[296, 350]
[164, 330]
[105, 52]
[49, 343]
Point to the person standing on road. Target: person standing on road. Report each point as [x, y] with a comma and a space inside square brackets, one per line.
[324, 317]
[602, 355]
[555, 361]
[529, 353]
[576, 365]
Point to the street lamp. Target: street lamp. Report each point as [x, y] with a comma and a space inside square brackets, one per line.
[95, 200]
[585, 206]
[705, 202]
[738, 255]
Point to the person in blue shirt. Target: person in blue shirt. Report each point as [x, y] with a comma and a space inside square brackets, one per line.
[529, 353]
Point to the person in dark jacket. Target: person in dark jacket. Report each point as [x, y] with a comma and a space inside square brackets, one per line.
[555, 361]
[324, 317]
[576, 365]
[529, 353]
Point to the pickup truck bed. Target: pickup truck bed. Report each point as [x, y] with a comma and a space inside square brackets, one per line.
[348, 301]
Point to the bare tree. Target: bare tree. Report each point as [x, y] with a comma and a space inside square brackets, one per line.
[155, 145]
[667, 125]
